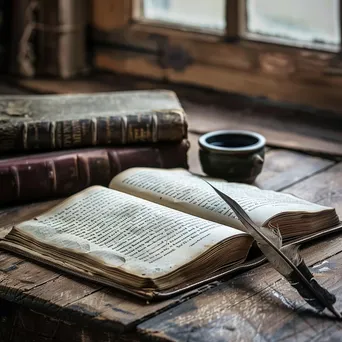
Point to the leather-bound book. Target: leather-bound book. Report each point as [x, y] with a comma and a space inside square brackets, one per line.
[61, 38]
[59, 174]
[52, 122]
[48, 37]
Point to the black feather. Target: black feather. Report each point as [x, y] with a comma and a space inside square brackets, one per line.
[286, 261]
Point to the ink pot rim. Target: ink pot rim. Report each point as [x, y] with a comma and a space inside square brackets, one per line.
[211, 141]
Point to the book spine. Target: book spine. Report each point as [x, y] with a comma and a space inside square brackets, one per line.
[115, 130]
[53, 174]
[61, 36]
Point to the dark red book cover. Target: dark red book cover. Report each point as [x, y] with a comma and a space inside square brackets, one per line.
[59, 174]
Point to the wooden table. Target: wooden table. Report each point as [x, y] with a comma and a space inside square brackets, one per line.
[39, 304]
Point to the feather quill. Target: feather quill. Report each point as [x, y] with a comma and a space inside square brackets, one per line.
[286, 260]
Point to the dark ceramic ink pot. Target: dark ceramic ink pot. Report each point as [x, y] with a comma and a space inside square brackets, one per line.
[234, 155]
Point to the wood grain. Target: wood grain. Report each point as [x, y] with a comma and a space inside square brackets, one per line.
[126, 62]
[270, 59]
[324, 188]
[246, 71]
[284, 168]
[108, 15]
[19, 324]
[256, 84]
[282, 128]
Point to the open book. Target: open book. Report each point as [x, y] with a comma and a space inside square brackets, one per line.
[157, 232]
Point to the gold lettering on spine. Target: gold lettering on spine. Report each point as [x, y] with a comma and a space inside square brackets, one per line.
[139, 134]
[67, 133]
[76, 133]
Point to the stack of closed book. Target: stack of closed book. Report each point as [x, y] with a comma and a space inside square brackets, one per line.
[56, 145]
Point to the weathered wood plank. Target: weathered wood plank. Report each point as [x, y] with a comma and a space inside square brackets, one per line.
[9, 261]
[117, 310]
[20, 277]
[242, 308]
[50, 292]
[283, 168]
[279, 127]
[109, 15]
[19, 324]
[63, 290]
[324, 188]
[193, 154]
[246, 76]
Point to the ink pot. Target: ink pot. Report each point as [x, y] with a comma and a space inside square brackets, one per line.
[233, 155]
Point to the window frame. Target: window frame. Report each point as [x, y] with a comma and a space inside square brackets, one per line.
[245, 34]
[224, 62]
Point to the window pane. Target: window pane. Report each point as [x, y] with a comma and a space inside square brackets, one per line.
[313, 21]
[209, 15]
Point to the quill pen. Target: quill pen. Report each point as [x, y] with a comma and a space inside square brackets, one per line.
[287, 260]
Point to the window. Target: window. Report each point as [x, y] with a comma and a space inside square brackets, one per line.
[208, 16]
[306, 23]
[287, 50]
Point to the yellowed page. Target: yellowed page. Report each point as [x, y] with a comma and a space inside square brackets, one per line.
[126, 232]
[183, 191]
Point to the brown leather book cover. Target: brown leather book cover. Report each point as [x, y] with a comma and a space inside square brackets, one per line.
[48, 37]
[61, 37]
[52, 122]
[59, 174]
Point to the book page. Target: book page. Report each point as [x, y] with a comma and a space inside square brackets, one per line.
[123, 231]
[179, 189]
